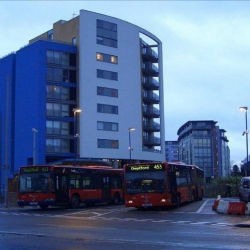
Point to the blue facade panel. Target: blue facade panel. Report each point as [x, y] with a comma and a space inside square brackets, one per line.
[7, 81]
[30, 104]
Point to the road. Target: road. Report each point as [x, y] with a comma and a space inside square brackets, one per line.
[192, 226]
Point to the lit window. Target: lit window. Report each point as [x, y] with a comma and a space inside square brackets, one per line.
[99, 56]
[114, 59]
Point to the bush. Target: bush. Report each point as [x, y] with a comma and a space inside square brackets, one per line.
[217, 186]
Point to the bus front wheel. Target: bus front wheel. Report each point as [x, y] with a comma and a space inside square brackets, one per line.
[75, 202]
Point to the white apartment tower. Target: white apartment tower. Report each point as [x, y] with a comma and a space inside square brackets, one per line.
[119, 86]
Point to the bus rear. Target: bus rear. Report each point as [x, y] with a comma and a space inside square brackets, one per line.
[146, 185]
[35, 186]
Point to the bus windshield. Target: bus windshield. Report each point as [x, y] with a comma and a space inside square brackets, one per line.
[145, 182]
[34, 182]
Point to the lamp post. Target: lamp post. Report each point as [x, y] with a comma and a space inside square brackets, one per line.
[34, 145]
[129, 137]
[75, 110]
[246, 133]
[6, 167]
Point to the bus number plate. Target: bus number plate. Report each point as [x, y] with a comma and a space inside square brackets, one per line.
[33, 203]
[147, 205]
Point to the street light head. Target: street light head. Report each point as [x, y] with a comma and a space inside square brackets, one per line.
[243, 108]
[75, 110]
[34, 130]
[131, 129]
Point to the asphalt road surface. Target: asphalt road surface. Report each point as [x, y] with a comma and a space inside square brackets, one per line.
[192, 226]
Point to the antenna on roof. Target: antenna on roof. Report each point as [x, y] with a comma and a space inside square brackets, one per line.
[73, 15]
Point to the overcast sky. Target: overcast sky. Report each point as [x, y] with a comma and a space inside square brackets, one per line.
[206, 53]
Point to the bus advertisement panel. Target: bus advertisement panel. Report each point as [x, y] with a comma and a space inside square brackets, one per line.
[68, 185]
[161, 184]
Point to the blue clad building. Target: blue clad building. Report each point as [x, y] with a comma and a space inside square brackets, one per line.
[40, 75]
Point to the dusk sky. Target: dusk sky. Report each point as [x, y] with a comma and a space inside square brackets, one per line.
[206, 53]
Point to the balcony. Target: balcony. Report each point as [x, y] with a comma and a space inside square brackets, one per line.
[151, 126]
[149, 55]
[150, 83]
[151, 141]
[151, 112]
[150, 97]
[149, 68]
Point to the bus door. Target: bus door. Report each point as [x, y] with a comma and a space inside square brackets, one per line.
[173, 185]
[106, 186]
[62, 188]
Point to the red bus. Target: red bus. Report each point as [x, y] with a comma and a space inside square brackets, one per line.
[161, 184]
[68, 185]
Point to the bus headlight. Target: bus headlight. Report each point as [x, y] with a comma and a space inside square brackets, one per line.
[130, 202]
[163, 200]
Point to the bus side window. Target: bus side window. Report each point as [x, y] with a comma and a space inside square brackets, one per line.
[86, 182]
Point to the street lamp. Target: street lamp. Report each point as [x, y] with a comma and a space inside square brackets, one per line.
[246, 133]
[34, 145]
[6, 140]
[129, 137]
[75, 110]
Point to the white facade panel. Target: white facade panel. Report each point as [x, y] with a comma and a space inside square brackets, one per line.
[129, 92]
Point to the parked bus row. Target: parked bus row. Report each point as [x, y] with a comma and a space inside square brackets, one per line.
[138, 185]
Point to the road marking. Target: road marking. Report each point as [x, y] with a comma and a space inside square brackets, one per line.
[181, 221]
[200, 223]
[203, 205]
[18, 233]
[98, 217]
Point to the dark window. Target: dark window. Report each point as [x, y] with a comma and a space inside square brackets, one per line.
[107, 92]
[61, 75]
[104, 108]
[105, 143]
[61, 58]
[107, 74]
[106, 42]
[106, 25]
[106, 33]
[108, 126]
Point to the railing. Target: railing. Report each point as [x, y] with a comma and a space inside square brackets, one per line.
[151, 111]
[151, 141]
[149, 52]
[150, 96]
[150, 82]
[153, 126]
[150, 66]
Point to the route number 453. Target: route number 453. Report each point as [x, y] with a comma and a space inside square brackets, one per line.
[157, 166]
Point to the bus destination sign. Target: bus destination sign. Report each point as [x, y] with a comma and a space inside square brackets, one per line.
[34, 170]
[146, 167]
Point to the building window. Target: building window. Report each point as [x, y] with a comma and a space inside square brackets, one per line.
[106, 58]
[110, 75]
[108, 126]
[109, 109]
[106, 33]
[60, 75]
[107, 92]
[57, 109]
[57, 92]
[57, 146]
[61, 58]
[105, 143]
[57, 128]
[74, 40]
